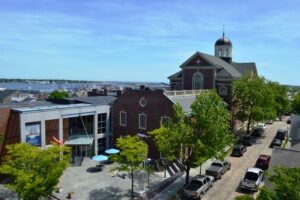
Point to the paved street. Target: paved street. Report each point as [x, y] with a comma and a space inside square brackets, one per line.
[227, 187]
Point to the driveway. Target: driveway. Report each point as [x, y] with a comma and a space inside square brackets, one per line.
[227, 187]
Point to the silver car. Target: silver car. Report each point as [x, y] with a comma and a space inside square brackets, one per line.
[252, 179]
[198, 186]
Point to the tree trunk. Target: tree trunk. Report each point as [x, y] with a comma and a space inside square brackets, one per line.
[248, 126]
[131, 182]
[200, 169]
[187, 178]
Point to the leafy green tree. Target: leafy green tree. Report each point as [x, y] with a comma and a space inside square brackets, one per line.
[280, 95]
[203, 135]
[253, 100]
[296, 103]
[34, 172]
[286, 184]
[133, 151]
[58, 94]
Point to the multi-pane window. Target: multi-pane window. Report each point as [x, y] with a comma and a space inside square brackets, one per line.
[102, 123]
[164, 120]
[142, 121]
[123, 118]
[198, 81]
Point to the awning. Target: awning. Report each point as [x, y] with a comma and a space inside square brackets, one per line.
[75, 140]
[112, 151]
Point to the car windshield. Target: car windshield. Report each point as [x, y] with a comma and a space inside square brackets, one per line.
[276, 141]
[261, 161]
[196, 182]
[216, 164]
[251, 176]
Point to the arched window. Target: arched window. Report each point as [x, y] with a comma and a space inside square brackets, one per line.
[198, 81]
[222, 90]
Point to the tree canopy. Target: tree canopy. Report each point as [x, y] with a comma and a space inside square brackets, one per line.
[133, 151]
[296, 103]
[253, 100]
[202, 135]
[34, 171]
[280, 94]
[58, 94]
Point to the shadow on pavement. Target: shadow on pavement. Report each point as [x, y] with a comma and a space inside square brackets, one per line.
[94, 169]
[111, 193]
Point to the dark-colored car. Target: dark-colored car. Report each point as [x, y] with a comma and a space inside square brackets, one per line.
[276, 143]
[289, 121]
[281, 134]
[247, 140]
[263, 162]
[257, 132]
[239, 150]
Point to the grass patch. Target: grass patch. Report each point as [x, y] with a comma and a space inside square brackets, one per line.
[284, 143]
[226, 153]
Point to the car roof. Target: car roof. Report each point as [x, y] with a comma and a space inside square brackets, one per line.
[199, 177]
[263, 156]
[281, 130]
[254, 170]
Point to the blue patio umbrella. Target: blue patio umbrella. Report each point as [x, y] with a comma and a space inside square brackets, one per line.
[112, 151]
[100, 158]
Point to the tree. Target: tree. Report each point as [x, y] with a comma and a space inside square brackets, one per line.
[133, 151]
[203, 135]
[34, 171]
[280, 95]
[286, 184]
[253, 100]
[296, 103]
[58, 94]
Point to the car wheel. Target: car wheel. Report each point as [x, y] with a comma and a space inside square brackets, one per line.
[201, 196]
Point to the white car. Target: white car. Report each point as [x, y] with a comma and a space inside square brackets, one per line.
[252, 179]
[261, 126]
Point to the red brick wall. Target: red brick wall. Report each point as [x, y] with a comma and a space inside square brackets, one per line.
[208, 75]
[157, 106]
[12, 133]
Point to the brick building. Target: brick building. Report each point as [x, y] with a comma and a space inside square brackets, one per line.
[204, 71]
[136, 112]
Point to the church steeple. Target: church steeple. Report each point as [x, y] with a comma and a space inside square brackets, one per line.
[223, 48]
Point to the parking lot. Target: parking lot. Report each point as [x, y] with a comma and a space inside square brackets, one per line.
[227, 187]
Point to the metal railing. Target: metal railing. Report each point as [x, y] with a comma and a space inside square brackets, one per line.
[183, 92]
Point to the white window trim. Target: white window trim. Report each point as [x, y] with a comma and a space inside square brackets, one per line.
[125, 124]
[143, 128]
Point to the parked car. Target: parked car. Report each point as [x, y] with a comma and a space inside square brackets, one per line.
[261, 126]
[252, 179]
[276, 143]
[218, 168]
[257, 132]
[270, 121]
[239, 150]
[289, 121]
[198, 186]
[281, 134]
[247, 140]
[263, 162]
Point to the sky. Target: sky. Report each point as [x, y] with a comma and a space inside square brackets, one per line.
[142, 40]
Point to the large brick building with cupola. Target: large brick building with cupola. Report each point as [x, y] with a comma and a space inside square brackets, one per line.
[218, 71]
[136, 112]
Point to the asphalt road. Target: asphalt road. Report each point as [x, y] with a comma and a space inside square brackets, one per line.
[227, 187]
